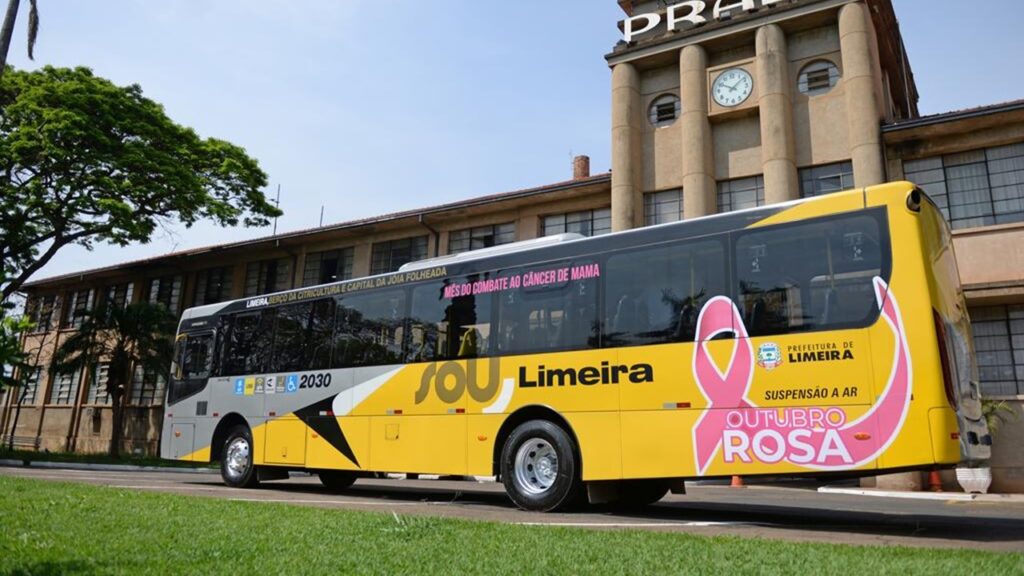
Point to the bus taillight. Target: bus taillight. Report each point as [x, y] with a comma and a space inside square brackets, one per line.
[947, 368]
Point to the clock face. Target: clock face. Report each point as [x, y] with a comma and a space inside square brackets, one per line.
[732, 87]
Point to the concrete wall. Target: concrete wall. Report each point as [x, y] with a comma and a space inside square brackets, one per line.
[737, 148]
[819, 122]
[1008, 452]
[662, 147]
[990, 255]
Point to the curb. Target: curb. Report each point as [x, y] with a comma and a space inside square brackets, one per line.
[944, 496]
[102, 467]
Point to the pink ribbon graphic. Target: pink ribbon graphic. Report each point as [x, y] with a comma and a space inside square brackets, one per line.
[824, 440]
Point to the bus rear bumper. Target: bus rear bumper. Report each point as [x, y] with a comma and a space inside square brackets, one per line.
[957, 440]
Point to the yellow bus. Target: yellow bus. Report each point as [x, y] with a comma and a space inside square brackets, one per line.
[826, 336]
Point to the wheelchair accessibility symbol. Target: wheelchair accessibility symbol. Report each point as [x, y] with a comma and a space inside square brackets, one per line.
[291, 384]
[240, 386]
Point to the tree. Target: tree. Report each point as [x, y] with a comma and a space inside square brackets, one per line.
[85, 161]
[12, 357]
[137, 336]
[8, 30]
[22, 362]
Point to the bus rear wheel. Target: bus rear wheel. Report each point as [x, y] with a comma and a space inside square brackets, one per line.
[539, 467]
[336, 480]
[236, 467]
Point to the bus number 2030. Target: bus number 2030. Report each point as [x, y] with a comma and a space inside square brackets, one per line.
[322, 380]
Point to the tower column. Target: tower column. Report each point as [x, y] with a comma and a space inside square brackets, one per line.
[698, 155]
[778, 150]
[862, 109]
[627, 200]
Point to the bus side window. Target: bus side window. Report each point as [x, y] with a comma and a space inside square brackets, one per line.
[290, 335]
[194, 363]
[248, 342]
[370, 329]
[178, 360]
[654, 294]
[198, 359]
[428, 324]
[449, 327]
[809, 275]
[547, 314]
[303, 336]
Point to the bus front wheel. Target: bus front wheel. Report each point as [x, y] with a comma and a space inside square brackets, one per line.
[236, 467]
[539, 467]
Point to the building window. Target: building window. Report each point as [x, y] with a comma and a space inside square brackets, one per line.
[740, 194]
[77, 306]
[664, 111]
[27, 395]
[118, 295]
[587, 223]
[481, 237]
[40, 312]
[65, 388]
[98, 386]
[999, 347]
[327, 267]
[268, 276]
[977, 188]
[663, 207]
[166, 290]
[821, 180]
[147, 388]
[212, 285]
[390, 256]
[818, 77]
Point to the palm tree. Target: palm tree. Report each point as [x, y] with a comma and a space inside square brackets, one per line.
[135, 336]
[8, 30]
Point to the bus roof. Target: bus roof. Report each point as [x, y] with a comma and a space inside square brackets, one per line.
[702, 225]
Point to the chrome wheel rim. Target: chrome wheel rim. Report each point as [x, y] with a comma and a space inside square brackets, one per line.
[237, 458]
[536, 466]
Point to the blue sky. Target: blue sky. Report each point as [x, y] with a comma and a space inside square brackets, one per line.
[372, 106]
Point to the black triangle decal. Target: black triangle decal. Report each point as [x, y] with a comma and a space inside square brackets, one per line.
[315, 416]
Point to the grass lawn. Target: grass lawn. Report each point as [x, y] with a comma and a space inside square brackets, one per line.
[33, 456]
[58, 528]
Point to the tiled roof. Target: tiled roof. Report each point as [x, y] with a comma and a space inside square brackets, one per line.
[954, 115]
[470, 202]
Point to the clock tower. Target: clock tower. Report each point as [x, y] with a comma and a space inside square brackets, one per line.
[726, 104]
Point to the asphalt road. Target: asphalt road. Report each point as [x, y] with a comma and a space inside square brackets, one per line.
[791, 513]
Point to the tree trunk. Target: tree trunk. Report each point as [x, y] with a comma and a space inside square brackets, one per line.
[17, 414]
[14, 284]
[7, 31]
[117, 415]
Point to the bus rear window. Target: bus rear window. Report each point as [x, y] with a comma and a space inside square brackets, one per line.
[810, 276]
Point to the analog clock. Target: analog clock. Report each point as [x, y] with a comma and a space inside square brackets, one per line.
[732, 87]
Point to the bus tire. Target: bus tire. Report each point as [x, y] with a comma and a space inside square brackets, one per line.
[337, 480]
[236, 467]
[639, 493]
[539, 467]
